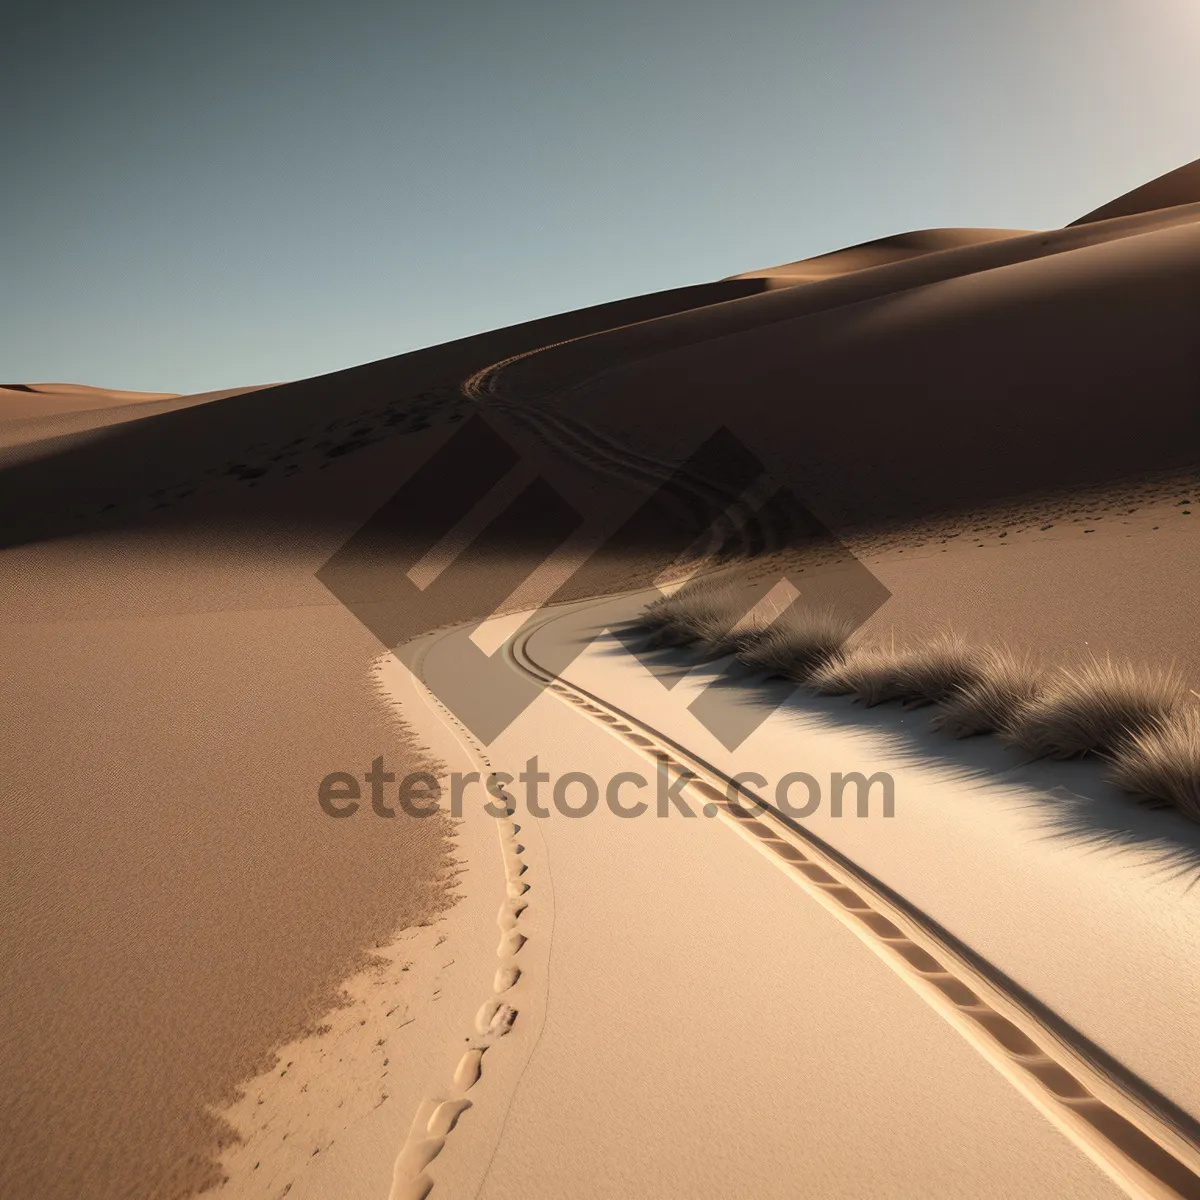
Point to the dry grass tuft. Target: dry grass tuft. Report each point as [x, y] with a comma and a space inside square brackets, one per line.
[797, 643]
[1161, 764]
[864, 670]
[1137, 716]
[666, 609]
[702, 611]
[1096, 709]
[916, 675]
[992, 702]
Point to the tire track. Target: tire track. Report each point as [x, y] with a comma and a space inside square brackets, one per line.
[740, 529]
[1137, 1137]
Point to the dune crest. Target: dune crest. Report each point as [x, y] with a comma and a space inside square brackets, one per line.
[1181, 186]
[50, 399]
[897, 248]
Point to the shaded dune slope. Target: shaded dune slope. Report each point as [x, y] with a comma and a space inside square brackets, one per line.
[31, 413]
[1181, 186]
[1000, 366]
[123, 476]
[959, 378]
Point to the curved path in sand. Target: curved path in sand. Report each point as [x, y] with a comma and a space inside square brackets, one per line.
[941, 1005]
[734, 1005]
[952, 1003]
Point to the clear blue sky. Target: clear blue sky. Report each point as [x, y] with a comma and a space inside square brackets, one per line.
[198, 195]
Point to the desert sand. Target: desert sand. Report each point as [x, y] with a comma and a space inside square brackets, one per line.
[44, 399]
[877, 254]
[1181, 186]
[1001, 424]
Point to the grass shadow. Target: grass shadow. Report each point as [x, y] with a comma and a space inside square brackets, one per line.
[1070, 801]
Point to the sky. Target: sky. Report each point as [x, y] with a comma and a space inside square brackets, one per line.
[205, 195]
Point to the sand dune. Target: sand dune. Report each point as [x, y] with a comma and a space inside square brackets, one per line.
[1181, 186]
[187, 907]
[876, 253]
[46, 399]
[29, 413]
[563, 371]
[1050, 385]
[1003, 423]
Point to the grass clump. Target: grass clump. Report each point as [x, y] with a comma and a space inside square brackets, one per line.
[716, 615]
[1161, 764]
[1095, 709]
[1135, 716]
[797, 643]
[701, 611]
[991, 703]
[915, 675]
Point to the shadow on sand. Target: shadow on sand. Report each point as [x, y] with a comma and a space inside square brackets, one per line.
[1071, 802]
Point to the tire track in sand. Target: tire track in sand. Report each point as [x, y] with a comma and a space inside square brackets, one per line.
[1128, 1130]
[740, 527]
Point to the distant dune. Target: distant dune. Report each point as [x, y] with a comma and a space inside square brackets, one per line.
[1181, 186]
[45, 399]
[894, 249]
[36, 412]
[952, 379]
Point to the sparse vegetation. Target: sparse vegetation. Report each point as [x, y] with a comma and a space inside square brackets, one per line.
[700, 611]
[1007, 683]
[797, 643]
[1095, 708]
[914, 674]
[1161, 764]
[1137, 717]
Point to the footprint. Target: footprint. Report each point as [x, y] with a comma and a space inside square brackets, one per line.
[486, 1015]
[495, 1018]
[510, 944]
[446, 1115]
[412, 1189]
[417, 1155]
[503, 1020]
[509, 912]
[469, 1068]
[505, 978]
